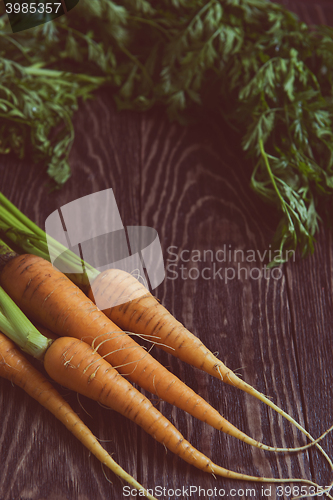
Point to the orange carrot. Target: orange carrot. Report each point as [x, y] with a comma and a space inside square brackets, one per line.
[15, 367]
[49, 297]
[140, 312]
[75, 365]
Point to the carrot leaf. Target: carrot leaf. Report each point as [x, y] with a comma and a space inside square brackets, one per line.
[251, 63]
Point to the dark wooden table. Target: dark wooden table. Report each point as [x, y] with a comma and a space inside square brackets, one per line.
[192, 186]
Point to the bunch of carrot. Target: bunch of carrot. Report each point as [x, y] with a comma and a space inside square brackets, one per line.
[78, 366]
[49, 297]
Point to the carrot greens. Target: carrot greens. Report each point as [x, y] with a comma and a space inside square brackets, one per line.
[29, 238]
[250, 63]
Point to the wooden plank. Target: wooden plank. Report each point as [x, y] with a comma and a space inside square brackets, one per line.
[310, 292]
[309, 285]
[195, 192]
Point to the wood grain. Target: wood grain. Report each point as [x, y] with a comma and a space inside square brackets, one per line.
[310, 292]
[246, 319]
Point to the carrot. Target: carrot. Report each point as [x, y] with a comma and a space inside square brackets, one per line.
[77, 366]
[49, 297]
[15, 367]
[138, 311]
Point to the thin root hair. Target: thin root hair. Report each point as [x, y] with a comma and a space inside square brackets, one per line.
[123, 333]
[129, 363]
[320, 491]
[106, 477]
[219, 371]
[159, 399]
[238, 372]
[83, 408]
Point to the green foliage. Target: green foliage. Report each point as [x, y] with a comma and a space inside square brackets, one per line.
[267, 74]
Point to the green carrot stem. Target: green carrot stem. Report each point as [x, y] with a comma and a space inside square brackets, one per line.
[15, 324]
[30, 238]
[38, 70]
[5, 249]
[26, 222]
[6, 253]
[21, 237]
